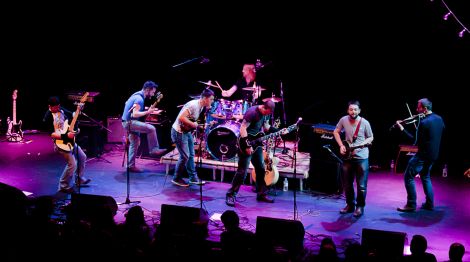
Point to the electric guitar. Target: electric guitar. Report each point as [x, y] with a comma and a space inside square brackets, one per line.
[271, 174]
[14, 132]
[159, 95]
[68, 144]
[256, 141]
[350, 149]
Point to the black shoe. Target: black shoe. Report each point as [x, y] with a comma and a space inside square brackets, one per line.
[265, 198]
[359, 212]
[135, 169]
[346, 209]
[196, 181]
[230, 200]
[179, 182]
[406, 208]
[427, 206]
[83, 182]
[69, 190]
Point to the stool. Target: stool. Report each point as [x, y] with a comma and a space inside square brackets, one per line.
[409, 149]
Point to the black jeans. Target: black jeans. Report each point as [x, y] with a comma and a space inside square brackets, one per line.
[359, 169]
[257, 160]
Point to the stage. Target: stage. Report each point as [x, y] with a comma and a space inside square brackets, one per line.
[33, 167]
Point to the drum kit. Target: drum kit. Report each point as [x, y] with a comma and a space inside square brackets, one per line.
[220, 140]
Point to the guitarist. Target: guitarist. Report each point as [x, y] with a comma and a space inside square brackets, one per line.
[75, 158]
[358, 133]
[181, 135]
[256, 119]
[132, 115]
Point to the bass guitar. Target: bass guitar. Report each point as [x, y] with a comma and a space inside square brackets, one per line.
[256, 141]
[67, 144]
[14, 132]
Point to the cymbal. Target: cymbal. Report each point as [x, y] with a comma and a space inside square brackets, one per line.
[274, 99]
[250, 88]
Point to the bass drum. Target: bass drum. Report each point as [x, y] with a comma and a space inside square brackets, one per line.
[222, 141]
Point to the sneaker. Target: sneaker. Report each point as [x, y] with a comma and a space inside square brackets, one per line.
[230, 200]
[196, 181]
[135, 169]
[359, 212]
[158, 152]
[179, 182]
[346, 209]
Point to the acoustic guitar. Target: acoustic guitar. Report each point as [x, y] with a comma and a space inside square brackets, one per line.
[271, 174]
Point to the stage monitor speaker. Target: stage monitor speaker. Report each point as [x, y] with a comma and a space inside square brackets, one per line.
[117, 134]
[274, 232]
[89, 207]
[384, 244]
[181, 221]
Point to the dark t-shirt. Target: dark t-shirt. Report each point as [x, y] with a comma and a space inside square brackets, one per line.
[428, 137]
[256, 120]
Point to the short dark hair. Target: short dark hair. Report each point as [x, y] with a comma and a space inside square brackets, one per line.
[354, 102]
[149, 84]
[53, 101]
[456, 251]
[426, 103]
[207, 93]
[269, 104]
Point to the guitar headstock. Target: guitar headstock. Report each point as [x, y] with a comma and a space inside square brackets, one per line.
[159, 97]
[15, 94]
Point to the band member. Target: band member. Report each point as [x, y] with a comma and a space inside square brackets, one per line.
[256, 119]
[428, 139]
[358, 134]
[134, 110]
[181, 135]
[74, 156]
[236, 92]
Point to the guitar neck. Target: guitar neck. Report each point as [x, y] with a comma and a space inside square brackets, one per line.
[74, 120]
[277, 133]
[14, 111]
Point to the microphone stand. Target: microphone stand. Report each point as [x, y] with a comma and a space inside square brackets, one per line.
[284, 150]
[199, 162]
[128, 201]
[295, 171]
[101, 128]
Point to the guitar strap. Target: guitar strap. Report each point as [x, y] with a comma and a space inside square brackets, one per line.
[357, 130]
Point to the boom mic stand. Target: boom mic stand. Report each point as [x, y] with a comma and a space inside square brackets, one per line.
[199, 162]
[128, 201]
[285, 149]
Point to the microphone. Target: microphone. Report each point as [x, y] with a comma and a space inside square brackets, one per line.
[298, 120]
[326, 146]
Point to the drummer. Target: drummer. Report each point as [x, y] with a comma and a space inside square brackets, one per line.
[245, 88]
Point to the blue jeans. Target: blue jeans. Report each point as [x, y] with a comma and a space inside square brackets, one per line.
[137, 127]
[417, 165]
[359, 169]
[185, 145]
[257, 159]
[72, 166]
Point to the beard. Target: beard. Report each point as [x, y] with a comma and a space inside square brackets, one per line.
[353, 116]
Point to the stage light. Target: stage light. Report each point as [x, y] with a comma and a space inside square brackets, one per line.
[462, 32]
[446, 16]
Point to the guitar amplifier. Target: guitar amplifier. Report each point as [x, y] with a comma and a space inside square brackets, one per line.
[117, 134]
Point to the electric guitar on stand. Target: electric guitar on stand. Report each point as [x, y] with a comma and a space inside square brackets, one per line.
[69, 143]
[14, 132]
